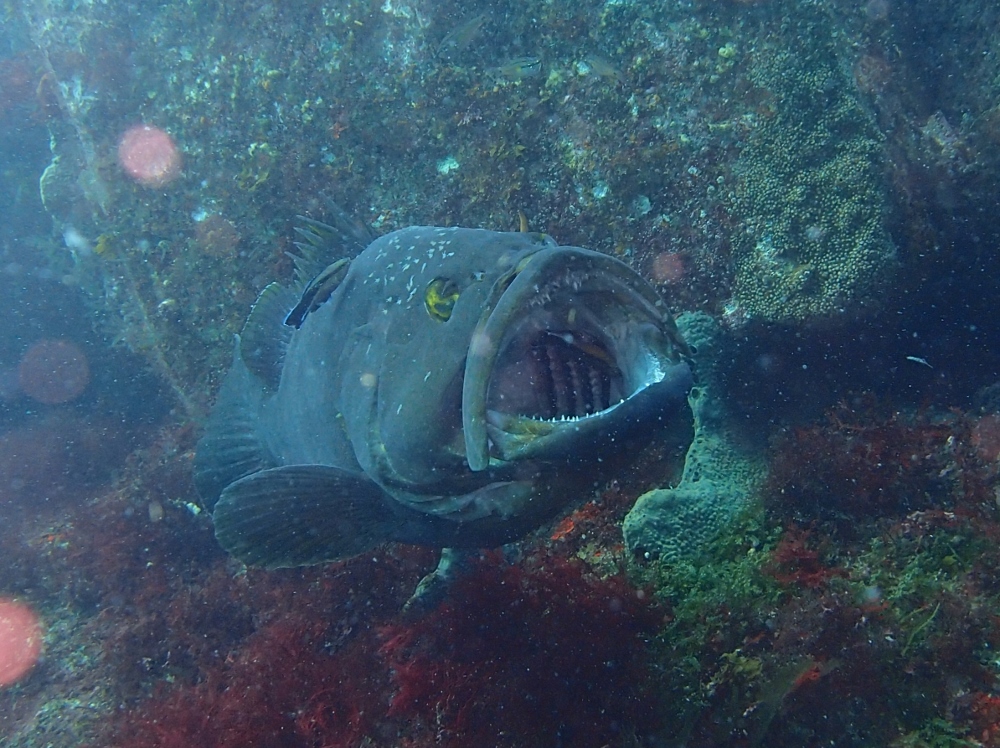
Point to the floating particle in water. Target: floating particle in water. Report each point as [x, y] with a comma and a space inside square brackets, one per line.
[815, 233]
[53, 372]
[156, 512]
[76, 242]
[877, 10]
[149, 155]
[20, 640]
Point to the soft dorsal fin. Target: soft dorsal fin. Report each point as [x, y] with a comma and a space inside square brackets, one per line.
[265, 339]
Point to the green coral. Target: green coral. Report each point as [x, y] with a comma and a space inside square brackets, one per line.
[719, 598]
[718, 478]
[812, 194]
[938, 733]
[913, 576]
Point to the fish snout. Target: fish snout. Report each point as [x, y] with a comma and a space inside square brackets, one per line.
[578, 351]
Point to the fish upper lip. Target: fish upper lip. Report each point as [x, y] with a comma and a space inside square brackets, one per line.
[568, 314]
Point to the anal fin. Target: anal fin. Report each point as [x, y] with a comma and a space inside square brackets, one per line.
[300, 515]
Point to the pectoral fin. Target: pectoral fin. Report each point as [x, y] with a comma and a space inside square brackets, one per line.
[300, 515]
[231, 447]
[318, 292]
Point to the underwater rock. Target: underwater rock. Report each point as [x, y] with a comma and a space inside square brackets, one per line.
[812, 194]
[719, 474]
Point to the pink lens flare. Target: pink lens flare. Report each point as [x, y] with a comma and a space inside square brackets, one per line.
[53, 372]
[20, 640]
[149, 155]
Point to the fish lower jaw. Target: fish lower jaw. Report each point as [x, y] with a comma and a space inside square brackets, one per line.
[519, 437]
[574, 418]
[569, 437]
[523, 423]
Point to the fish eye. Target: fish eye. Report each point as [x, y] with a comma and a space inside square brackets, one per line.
[440, 298]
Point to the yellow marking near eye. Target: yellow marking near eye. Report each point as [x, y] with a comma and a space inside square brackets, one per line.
[440, 298]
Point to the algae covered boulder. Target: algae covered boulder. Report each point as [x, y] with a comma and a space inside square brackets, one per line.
[812, 194]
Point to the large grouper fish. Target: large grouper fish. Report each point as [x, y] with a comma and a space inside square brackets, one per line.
[447, 387]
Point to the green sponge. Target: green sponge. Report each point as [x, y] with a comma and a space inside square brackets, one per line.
[719, 474]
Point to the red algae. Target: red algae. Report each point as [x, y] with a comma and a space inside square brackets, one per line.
[862, 465]
[524, 655]
[539, 652]
[795, 561]
[217, 236]
[669, 268]
[985, 437]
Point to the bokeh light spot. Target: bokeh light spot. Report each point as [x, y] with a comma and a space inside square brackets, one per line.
[149, 155]
[20, 640]
[53, 372]
[669, 267]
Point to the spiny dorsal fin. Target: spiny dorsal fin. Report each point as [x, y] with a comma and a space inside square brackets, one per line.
[343, 236]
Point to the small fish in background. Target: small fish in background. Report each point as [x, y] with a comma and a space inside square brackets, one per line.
[602, 68]
[519, 68]
[460, 37]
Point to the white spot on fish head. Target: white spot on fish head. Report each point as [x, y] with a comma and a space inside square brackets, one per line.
[480, 345]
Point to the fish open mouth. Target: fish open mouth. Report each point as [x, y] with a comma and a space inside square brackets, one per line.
[574, 351]
[554, 375]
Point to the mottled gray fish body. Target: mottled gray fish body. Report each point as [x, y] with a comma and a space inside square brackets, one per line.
[450, 387]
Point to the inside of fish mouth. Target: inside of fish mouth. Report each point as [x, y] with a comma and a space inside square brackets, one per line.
[555, 373]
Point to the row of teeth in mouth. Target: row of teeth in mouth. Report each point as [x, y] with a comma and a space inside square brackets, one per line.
[576, 386]
[571, 419]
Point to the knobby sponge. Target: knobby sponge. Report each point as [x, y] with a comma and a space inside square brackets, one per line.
[719, 474]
